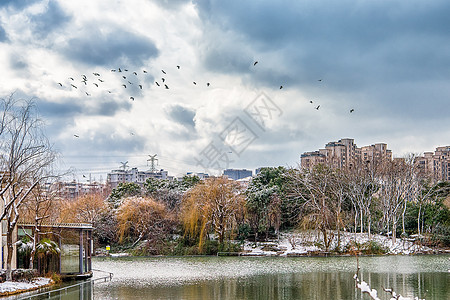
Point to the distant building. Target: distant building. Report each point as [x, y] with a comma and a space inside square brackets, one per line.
[134, 175]
[202, 176]
[74, 189]
[237, 174]
[436, 164]
[345, 154]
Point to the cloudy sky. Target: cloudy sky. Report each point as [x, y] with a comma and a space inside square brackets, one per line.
[387, 60]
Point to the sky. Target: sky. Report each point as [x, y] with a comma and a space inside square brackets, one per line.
[244, 79]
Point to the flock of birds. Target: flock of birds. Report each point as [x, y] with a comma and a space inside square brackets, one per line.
[130, 79]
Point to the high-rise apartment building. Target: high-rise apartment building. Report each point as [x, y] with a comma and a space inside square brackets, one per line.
[345, 154]
[436, 164]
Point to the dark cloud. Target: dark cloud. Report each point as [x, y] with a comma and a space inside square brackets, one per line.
[59, 110]
[108, 108]
[376, 40]
[107, 141]
[52, 19]
[18, 4]
[118, 47]
[3, 36]
[74, 106]
[182, 115]
[18, 63]
[227, 58]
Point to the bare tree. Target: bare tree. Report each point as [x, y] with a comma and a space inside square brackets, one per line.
[398, 186]
[313, 188]
[25, 154]
[38, 208]
[362, 187]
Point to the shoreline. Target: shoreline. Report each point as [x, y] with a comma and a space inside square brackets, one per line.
[10, 288]
[307, 245]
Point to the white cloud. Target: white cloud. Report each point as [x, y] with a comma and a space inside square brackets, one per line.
[398, 96]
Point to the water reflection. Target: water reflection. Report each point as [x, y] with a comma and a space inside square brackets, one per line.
[271, 278]
[263, 278]
[78, 290]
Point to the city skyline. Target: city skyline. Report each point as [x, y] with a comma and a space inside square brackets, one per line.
[373, 72]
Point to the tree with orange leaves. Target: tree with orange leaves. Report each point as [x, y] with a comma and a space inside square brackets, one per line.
[142, 218]
[85, 209]
[215, 204]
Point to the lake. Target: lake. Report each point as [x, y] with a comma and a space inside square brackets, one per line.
[425, 276]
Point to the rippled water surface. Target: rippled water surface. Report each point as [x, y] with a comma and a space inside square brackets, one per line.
[271, 278]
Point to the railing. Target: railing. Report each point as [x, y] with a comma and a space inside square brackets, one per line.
[65, 289]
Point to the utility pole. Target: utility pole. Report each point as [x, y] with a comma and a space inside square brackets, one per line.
[153, 159]
[124, 165]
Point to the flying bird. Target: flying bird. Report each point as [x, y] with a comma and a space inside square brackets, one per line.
[319, 80]
[157, 83]
[195, 83]
[130, 82]
[140, 86]
[87, 94]
[281, 87]
[71, 78]
[77, 136]
[178, 67]
[96, 74]
[318, 106]
[113, 70]
[60, 84]
[120, 70]
[135, 73]
[310, 101]
[109, 92]
[132, 98]
[124, 77]
[101, 80]
[95, 84]
[126, 70]
[84, 81]
[352, 110]
[166, 86]
[208, 84]
[163, 80]
[124, 85]
[73, 86]
[255, 63]
[163, 71]
[144, 71]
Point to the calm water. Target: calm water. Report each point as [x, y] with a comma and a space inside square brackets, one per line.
[271, 278]
[265, 278]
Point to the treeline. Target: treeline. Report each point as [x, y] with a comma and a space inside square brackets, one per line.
[194, 216]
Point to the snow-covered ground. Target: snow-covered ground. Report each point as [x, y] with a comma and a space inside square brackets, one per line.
[14, 286]
[304, 243]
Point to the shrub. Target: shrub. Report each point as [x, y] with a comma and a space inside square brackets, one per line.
[369, 247]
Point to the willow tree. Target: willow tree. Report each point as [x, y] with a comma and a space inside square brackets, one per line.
[215, 204]
[143, 218]
[25, 158]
